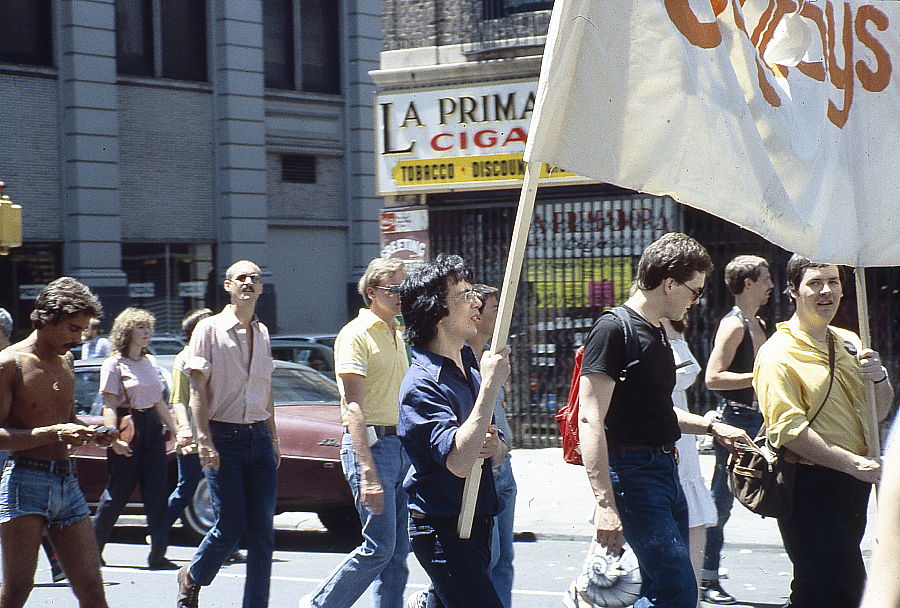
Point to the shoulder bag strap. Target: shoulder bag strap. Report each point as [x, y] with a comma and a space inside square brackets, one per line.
[124, 390]
[831, 362]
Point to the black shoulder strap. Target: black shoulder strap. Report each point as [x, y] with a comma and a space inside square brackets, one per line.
[632, 343]
[831, 362]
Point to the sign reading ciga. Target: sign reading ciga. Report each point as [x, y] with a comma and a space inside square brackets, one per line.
[462, 139]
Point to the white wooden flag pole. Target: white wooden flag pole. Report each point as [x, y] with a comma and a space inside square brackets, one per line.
[504, 320]
[865, 336]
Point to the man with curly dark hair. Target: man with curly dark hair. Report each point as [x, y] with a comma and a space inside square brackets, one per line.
[446, 407]
[38, 487]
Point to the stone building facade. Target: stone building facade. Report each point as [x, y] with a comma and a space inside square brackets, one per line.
[153, 142]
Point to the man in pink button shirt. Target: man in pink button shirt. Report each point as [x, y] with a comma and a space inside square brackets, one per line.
[230, 364]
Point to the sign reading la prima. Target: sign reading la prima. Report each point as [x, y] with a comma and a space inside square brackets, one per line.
[468, 138]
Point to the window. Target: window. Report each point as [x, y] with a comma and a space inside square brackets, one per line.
[184, 39]
[278, 43]
[494, 9]
[134, 37]
[298, 168]
[162, 38]
[318, 45]
[25, 32]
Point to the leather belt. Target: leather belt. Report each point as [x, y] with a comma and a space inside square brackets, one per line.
[59, 467]
[666, 448]
[382, 430]
[753, 407]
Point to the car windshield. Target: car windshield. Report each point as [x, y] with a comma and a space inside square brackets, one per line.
[292, 385]
[166, 347]
[88, 401]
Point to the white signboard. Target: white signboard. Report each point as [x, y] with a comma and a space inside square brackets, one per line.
[29, 292]
[469, 138]
[141, 290]
[192, 289]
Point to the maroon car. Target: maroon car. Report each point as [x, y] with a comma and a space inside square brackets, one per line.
[307, 412]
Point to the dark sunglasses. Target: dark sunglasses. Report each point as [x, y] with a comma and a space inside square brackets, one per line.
[244, 276]
[698, 293]
[391, 289]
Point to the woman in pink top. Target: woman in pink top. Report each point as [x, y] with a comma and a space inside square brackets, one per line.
[130, 383]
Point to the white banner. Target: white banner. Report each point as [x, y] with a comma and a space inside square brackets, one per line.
[683, 103]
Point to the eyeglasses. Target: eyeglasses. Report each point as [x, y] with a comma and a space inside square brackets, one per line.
[698, 293]
[245, 276]
[467, 296]
[391, 289]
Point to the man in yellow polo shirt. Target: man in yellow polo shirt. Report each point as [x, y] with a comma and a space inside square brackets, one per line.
[371, 361]
[834, 477]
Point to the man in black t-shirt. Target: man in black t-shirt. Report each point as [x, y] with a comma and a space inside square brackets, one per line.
[628, 429]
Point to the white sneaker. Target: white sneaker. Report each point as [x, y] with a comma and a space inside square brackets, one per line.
[306, 601]
[417, 600]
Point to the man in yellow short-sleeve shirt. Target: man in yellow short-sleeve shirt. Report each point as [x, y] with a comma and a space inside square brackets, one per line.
[834, 474]
[370, 362]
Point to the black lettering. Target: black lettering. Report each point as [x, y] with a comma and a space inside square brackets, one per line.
[386, 125]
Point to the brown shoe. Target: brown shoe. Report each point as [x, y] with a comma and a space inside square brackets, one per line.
[188, 590]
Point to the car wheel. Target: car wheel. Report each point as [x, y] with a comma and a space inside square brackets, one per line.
[199, 516]
[341, 521]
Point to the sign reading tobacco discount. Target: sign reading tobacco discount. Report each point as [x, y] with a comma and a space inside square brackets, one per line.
[469, 138]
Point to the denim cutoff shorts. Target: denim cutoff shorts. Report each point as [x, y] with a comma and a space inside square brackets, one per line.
[25, 491]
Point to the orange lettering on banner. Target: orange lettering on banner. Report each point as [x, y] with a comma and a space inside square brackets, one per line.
[704, 35]
[708, 36]
[768, 91]
[842, 78]
[879, 79]
[814, 69]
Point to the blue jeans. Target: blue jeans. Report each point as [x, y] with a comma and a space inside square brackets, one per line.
[502, 553]
[458, 569]
[189, 474]
[147, 466]
[654, 518]
[750, 421]
[380, 561]
[243, 493]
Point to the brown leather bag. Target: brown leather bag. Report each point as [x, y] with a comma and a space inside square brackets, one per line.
[762, 479]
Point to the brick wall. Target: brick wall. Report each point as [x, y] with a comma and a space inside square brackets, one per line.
[421, 23]
[29, 153]
[323, 200]
[166, 165]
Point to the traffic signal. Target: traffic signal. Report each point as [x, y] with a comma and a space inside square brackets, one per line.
[10, 223]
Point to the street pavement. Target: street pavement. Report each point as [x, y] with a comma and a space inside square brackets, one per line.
[553, 531]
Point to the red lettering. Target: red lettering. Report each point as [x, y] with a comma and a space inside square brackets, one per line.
[704, 35]
[436, 146]
[516, 134]
[485, 138]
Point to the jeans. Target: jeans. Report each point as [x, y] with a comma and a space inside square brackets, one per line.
[147, 466]
[822, 538]
[654, 518]
[502, 553]
[750, 421]
[243, 493]
[189, 474]
[380, 561]
[458, 568]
